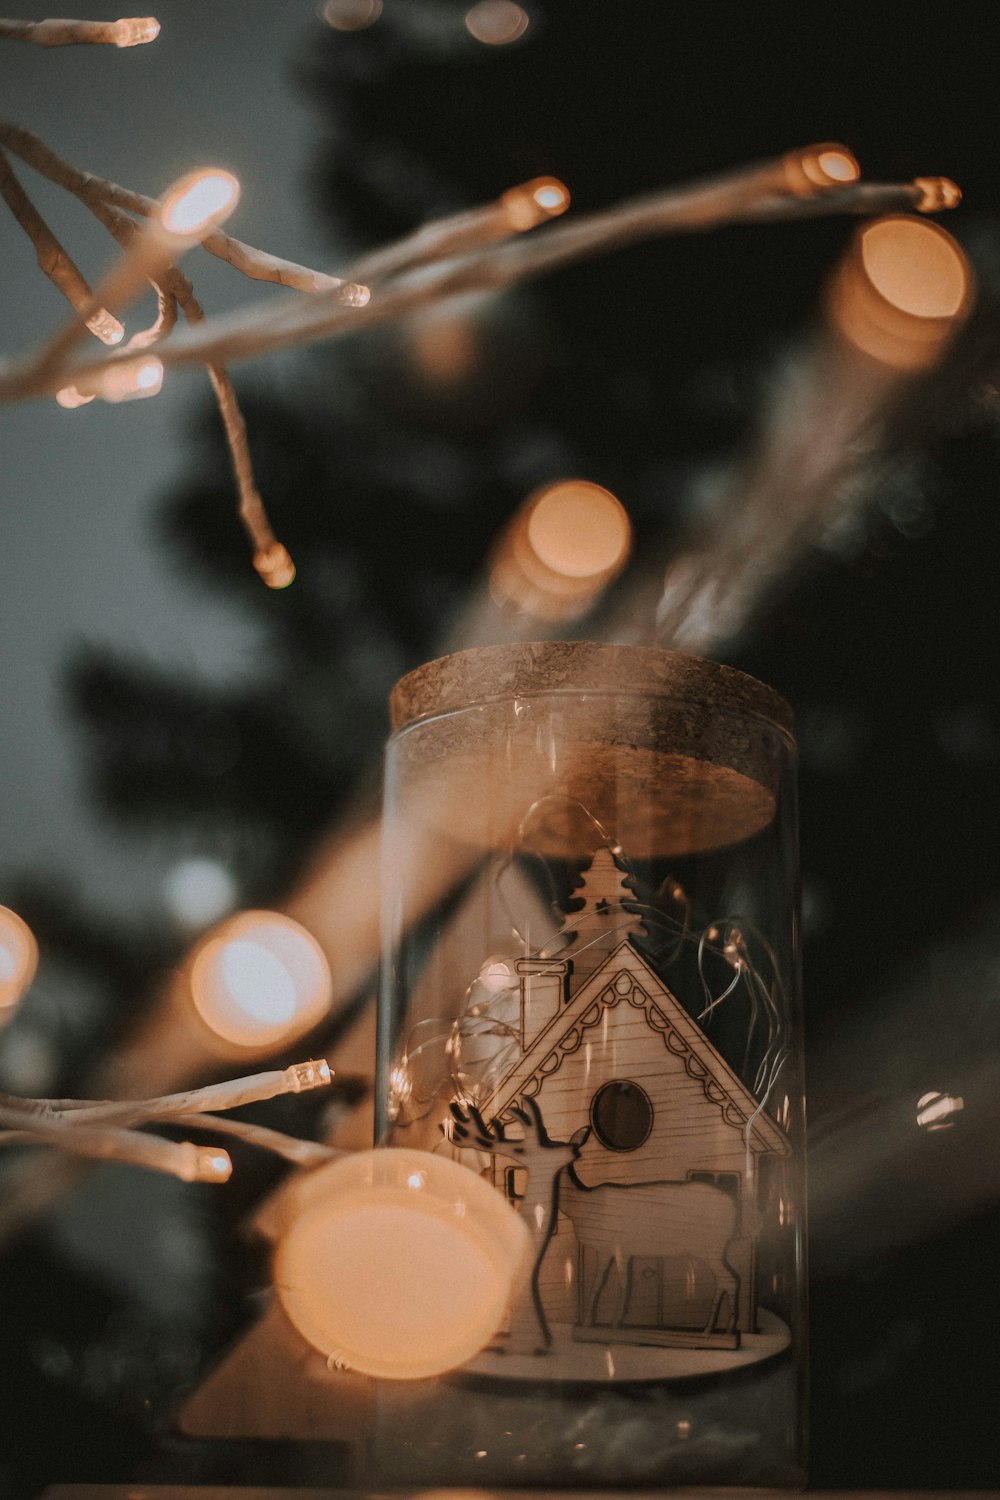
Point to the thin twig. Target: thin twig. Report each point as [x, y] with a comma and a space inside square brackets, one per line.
[299, 1078]
[290, 1147]
[181, 1159]
[53, 260]
[127, 32]
[95, 191]
[174, 289]
[248, 332]
[104, 1130]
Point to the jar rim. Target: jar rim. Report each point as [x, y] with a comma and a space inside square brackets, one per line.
[522, 669]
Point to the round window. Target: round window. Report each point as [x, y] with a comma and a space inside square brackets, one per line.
[621, 1115]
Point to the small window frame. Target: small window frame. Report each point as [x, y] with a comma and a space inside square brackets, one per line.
[602, 1135]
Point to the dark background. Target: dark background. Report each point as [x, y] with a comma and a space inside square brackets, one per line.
[643, 371]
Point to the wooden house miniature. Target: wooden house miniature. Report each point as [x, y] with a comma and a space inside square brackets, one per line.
[656, 1205]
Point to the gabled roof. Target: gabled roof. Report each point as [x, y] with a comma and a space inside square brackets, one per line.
[665, 1015]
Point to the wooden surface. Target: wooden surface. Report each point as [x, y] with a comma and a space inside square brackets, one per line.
[223, 1492]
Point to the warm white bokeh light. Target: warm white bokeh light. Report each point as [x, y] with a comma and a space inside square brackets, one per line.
[260, 979]
[566, 543]
[819, 168]
[497, 974]
[916, 266]
[530, 203]
[401, 1264]
[901, 291]
[18, 959]
[199, 890]
[838, 165]
[578, 529]
[350, 15]
[497, 22]
[198, 202]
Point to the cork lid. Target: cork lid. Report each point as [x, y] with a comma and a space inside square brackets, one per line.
[486, 674]
[667, 753]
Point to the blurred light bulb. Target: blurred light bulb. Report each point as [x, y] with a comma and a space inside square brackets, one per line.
[497, 22]
[829, 165]
[496, 975]
[350, 15]
[260, 979]
[565, 544]
[578, 529]
[18, 960]
[275, 566]
[133, 31]
[195, 204]
[199, 891]
[398, 1263]
[70, 398]
[443, 344]
[916, 267]
[901, 291]
[106, 327]
[530, 203]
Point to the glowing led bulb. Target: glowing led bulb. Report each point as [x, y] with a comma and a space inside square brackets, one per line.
[275, 566]
[901, 292]
[354, 294]
[497, 22]
[530, 203]
[821, 167]
[71, 398]
[106, 327]
[133, 31]
[937, 193]
[194, 205]
[199, 890]
[204, 1163]
[496, 975]
[260, 979]
[399, 1264]
[18, 960]
[132, 381]
[301, 1077]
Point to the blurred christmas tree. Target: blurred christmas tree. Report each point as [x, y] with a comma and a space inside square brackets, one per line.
[390, 463]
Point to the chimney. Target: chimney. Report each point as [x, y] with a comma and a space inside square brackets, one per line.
[543, 991]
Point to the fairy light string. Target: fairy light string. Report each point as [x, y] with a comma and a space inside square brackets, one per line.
[464, 252]
[735, 965]
[109, 1130]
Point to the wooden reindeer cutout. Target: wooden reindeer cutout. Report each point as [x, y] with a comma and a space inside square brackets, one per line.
[690, 1220]
[545, 1161]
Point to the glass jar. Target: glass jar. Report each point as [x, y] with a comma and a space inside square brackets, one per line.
[590, 998]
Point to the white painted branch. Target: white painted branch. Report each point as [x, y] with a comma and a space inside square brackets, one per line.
[251, 332]
[99, 192]
[130, 31]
